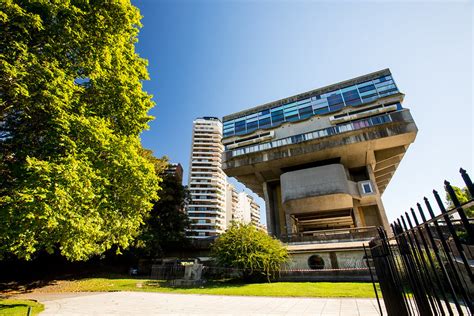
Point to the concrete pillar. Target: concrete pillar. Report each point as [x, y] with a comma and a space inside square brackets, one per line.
[269, 209]
[358, 221]
[289, 224]
[378, 199]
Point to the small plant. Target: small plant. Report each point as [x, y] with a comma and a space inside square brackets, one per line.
[250, 250]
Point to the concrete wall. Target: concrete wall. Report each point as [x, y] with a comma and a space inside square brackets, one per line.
[371, 215]
[295, 128]
[340, 259]
[317, 189]
[317, 181]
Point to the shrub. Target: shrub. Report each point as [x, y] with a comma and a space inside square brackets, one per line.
[245, 247]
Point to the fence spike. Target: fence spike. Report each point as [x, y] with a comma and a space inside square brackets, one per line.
[467, 181]
[408, 220]
[460, 210]
[420, 210]
[414, 215]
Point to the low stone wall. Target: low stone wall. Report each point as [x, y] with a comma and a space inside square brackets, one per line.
[359, 275]
[338, 265]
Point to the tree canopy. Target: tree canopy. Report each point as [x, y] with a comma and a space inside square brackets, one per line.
[245, 247]
[165, 227]
[74, 177]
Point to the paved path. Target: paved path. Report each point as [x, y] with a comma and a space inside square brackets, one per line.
[145, 303]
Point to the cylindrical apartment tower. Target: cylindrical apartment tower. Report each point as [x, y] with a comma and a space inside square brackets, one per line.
[207, 181]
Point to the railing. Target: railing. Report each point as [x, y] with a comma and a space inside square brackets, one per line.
[347, 234]
[426, 268]
[329, 131]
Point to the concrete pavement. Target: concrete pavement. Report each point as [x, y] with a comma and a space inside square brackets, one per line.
[146, 303]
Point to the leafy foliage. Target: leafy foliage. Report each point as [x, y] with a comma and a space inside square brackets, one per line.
[243, 246]
[165, 226]
[73, 175]
[463, 196]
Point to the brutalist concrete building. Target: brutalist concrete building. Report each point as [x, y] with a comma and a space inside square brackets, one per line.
[321, 161]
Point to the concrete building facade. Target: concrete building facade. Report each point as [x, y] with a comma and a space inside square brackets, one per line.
[232, 204]
[322, 159]
[241, 207]
[207, 181]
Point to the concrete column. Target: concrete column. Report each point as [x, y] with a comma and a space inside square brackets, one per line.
[357, 217]
[378, 199]
[269, 209]
[289, 224]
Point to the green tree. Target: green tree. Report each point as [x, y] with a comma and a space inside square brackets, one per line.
[463, 196]
[245, 247]
[73, 175]
[165, 227]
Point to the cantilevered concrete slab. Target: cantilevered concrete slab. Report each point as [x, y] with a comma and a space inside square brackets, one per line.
[322, 159]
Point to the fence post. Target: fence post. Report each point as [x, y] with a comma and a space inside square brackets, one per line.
[467, 181]
[431, 264]
[372, 279]
[440, 263]
[451, 263]
[420, 281]
[452, 231]
[460, 210]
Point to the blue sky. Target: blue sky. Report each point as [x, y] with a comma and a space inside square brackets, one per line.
[210, 58]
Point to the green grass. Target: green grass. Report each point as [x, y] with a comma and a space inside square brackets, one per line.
[292, 289]
[19, 307]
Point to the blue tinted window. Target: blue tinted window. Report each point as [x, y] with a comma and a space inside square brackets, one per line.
[228, 123]
[370, 92]
[321, 110]
[305, 112]
[366, 88]
[351, 95]
[239, 123]
[317, 104]
[335, 99]
[292, 118]
[370, 97]
[387, 87]
[290, 112]
[353, 102]
[264, 122]
[277, 116]
[387, 92]
[290, 105]
[240, 130]
[252, 126]
[336, 107]
[320, 104]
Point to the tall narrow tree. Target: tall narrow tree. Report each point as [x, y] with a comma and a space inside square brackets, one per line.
[73, 176]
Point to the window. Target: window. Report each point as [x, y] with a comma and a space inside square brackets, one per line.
[366, 187]
[306, 112]
[321, 110]
[369, 87]
[251, 126]
[277, 117]
[335, 99]
[263, 123]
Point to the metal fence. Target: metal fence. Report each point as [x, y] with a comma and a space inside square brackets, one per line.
[426, 266]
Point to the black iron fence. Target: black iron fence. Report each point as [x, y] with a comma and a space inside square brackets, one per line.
[425, 265]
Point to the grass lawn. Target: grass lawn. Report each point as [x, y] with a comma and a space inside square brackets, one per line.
[294, 289]
[19, 307]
